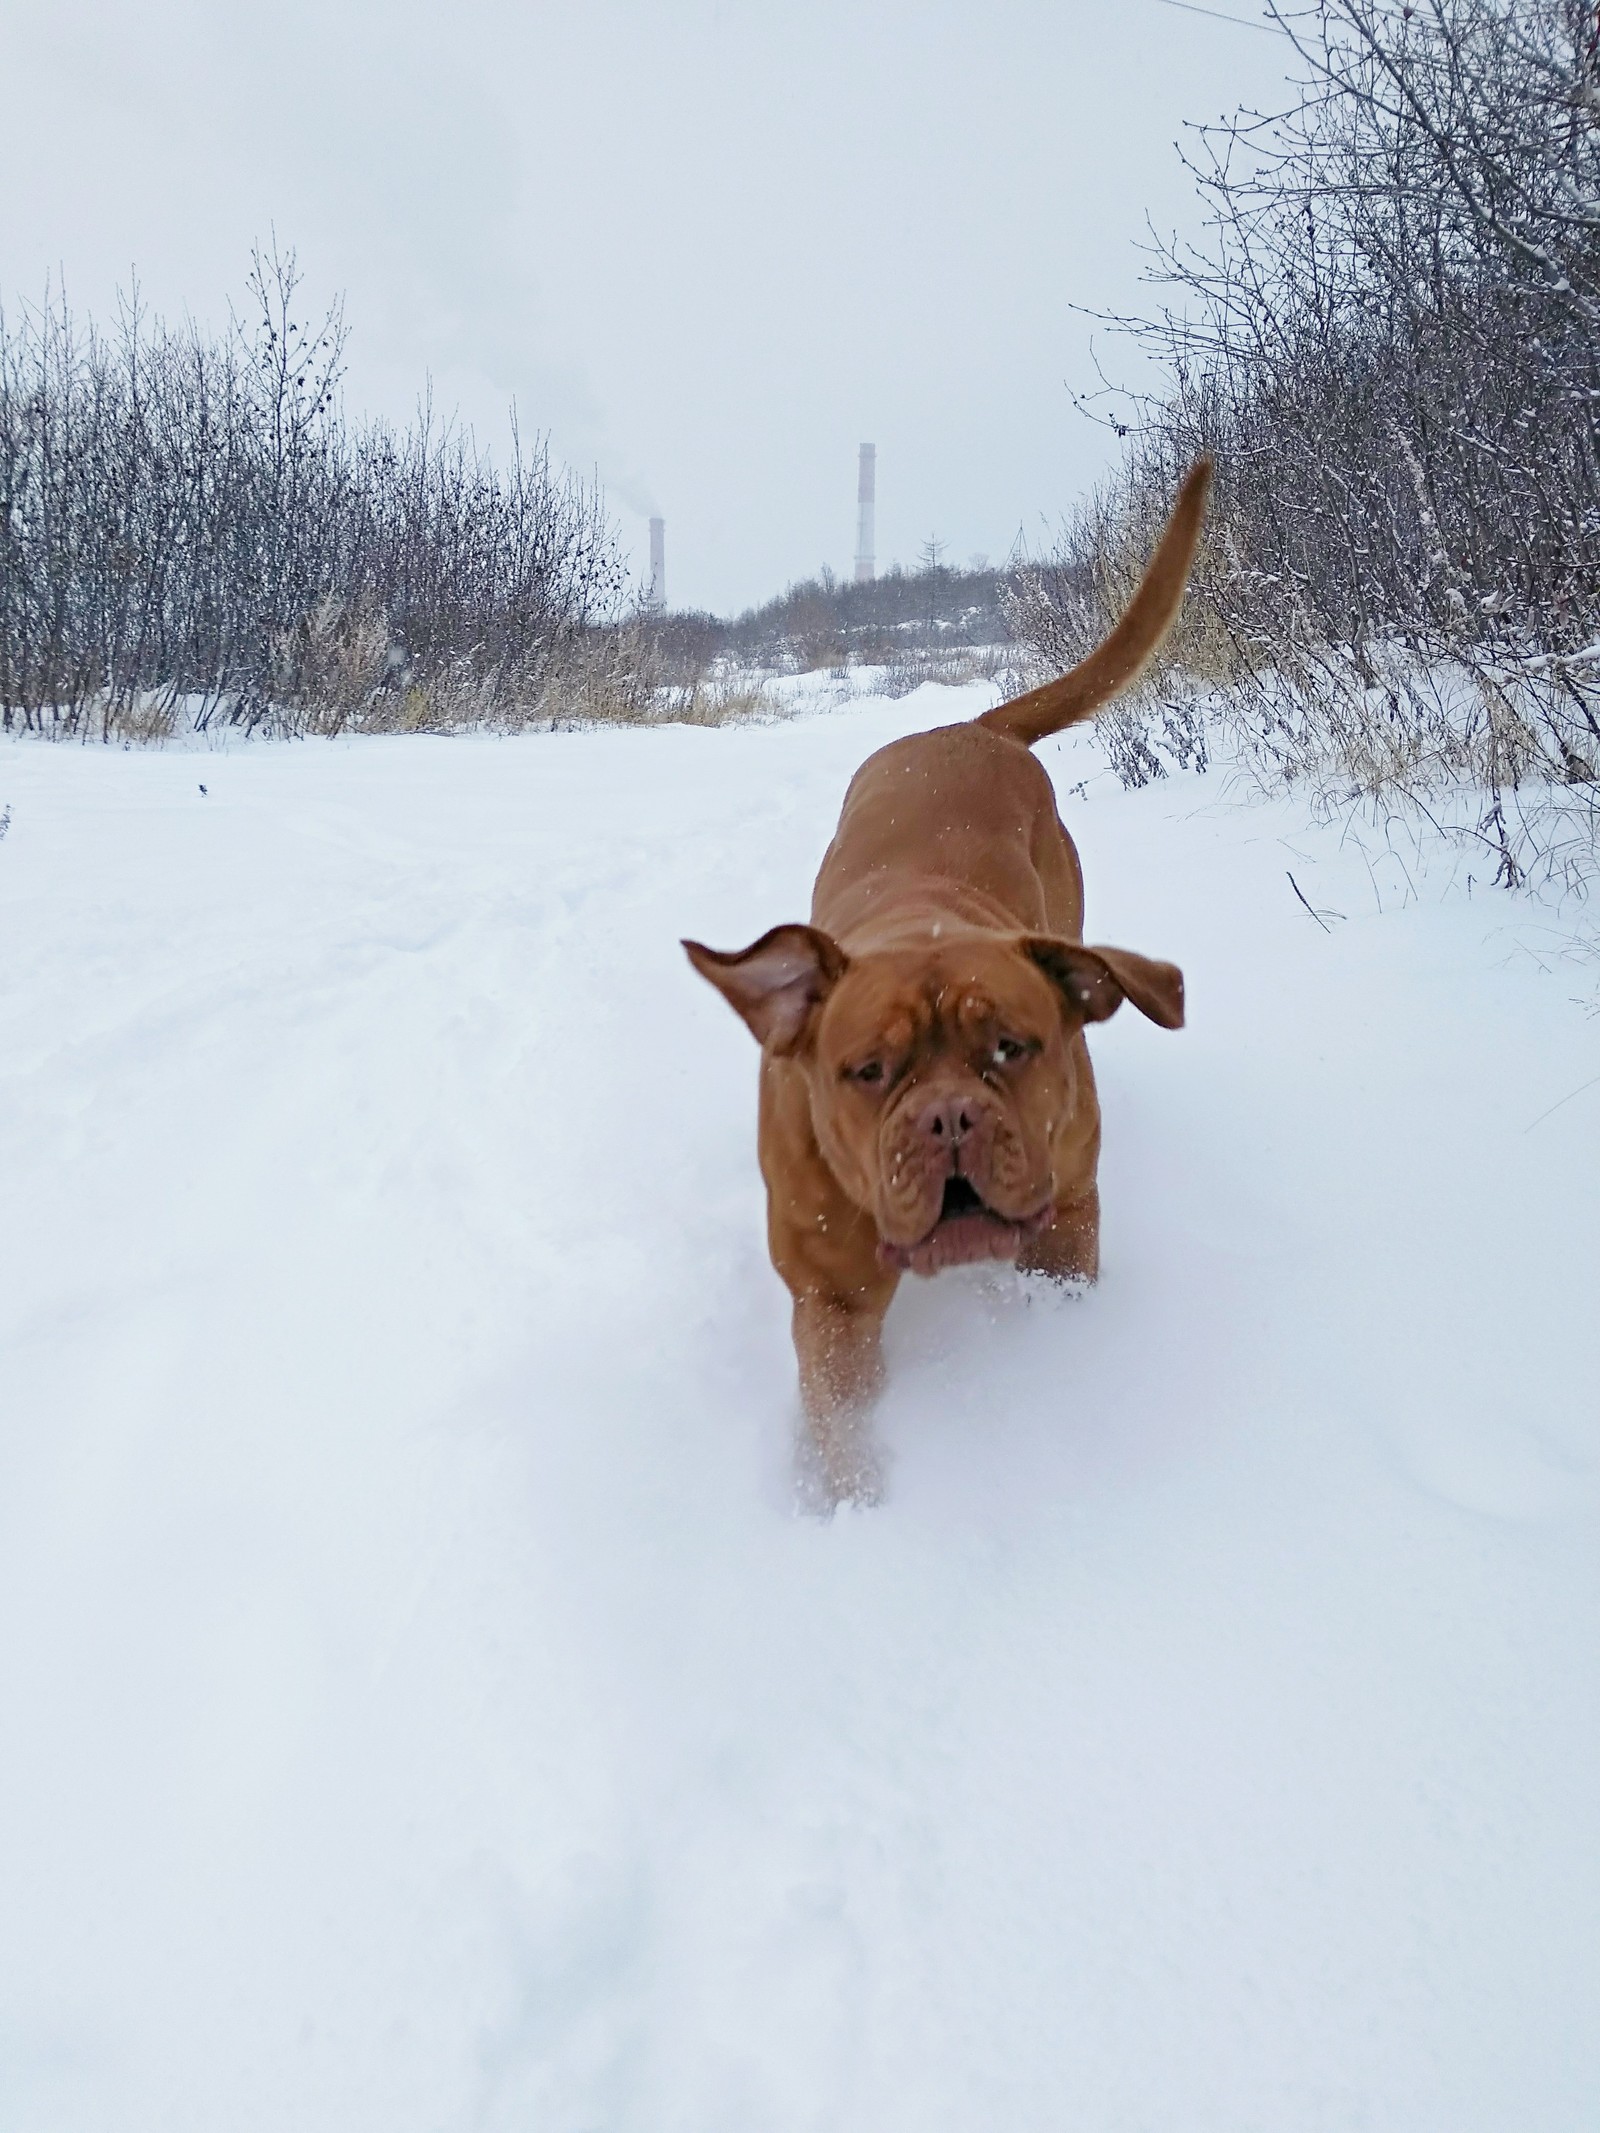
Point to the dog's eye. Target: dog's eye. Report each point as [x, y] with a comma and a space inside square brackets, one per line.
[869, 1071]
[1010, 1049]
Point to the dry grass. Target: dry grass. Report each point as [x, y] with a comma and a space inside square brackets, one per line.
[1426, 723]
[338, 672]
[910, 666]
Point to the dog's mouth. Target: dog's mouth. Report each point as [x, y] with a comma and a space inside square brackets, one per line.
[961, 1197]
[967, 1228]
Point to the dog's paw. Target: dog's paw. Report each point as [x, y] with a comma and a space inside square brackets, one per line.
[844, 1467]
[1041, 1285]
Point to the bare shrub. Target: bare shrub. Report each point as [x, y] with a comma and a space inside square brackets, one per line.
[908, 666]
[196, 522]
[820, 624]
[1391, 343]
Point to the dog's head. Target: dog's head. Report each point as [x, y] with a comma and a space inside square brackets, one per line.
[943, 1077]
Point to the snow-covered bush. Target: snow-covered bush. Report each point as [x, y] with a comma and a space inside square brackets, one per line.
[1391, 343]
[192, 521]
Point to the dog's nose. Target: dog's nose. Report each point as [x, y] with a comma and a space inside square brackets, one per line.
[947, 1120]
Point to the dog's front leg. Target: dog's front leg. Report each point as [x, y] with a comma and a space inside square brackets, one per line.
[1068, 1248]
[839, 1348]
[825, 1248]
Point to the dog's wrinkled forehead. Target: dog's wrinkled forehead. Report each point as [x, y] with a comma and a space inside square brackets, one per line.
[903, 1002]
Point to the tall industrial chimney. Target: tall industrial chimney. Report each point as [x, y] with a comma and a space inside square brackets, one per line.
[866, 499]
[658, 562]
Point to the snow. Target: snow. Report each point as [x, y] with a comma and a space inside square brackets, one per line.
[422, 1705]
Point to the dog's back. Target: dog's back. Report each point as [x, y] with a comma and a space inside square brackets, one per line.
[960, 821]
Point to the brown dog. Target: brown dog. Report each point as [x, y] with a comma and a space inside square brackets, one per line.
[926, 1093]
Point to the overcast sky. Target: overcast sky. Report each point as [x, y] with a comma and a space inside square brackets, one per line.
[708, 246]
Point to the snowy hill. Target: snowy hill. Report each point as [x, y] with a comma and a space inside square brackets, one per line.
[423, 1708]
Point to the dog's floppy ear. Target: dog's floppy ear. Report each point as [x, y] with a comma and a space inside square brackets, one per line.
[1096, 981]
[777, 983]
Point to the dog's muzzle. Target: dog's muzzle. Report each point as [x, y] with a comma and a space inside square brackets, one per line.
[967, 1230]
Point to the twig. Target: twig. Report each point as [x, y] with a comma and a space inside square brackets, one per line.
[1242, 22]
[1543, 1115]
[1317, 915]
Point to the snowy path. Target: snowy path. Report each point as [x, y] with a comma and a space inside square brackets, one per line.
[420, 1708]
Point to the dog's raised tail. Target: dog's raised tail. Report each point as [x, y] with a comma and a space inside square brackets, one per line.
[1116, 661]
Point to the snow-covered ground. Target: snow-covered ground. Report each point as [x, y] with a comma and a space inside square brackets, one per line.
[421, 1707]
